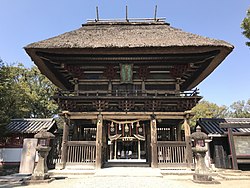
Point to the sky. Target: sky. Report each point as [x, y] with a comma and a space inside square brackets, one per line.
[26, 21]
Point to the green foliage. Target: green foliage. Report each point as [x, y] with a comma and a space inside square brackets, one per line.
[245, 25]
[240, 109]
[24, 93]
[206, 109]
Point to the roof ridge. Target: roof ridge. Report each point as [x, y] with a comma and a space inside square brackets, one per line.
[33, 119]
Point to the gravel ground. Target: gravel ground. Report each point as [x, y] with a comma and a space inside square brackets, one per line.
[135, 182]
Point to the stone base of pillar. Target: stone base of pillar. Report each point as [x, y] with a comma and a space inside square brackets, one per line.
[204, 179]
[40, 177]
[60, 166]
[33, 182]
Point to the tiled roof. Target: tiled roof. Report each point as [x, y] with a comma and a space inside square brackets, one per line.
[212, 125]
[29, 125]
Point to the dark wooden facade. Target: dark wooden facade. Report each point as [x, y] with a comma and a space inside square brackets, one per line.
[121, 78]
[229, 146]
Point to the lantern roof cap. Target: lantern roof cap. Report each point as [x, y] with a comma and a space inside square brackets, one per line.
[44, 134]
[198, 135]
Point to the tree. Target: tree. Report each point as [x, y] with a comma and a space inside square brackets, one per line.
[24, 93]
[39, 91]
[240, 109]
[205, 109]
[245, 25]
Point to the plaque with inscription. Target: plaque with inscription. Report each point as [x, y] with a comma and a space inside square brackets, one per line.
[242, 145]
[28, 156]
[126, 72]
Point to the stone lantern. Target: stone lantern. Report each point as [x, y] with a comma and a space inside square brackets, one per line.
[201, 170]
[41, 170]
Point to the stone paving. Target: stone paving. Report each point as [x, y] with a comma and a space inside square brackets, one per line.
[106, 179]
[135, 182]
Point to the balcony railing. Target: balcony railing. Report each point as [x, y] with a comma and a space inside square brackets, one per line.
[171, 153]
[122, 93]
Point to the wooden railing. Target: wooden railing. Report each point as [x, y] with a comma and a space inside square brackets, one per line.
[171, 153]
[81, 152]
[132, 93]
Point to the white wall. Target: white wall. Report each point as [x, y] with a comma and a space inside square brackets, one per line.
[10, 154]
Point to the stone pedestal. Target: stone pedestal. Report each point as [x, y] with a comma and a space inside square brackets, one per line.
[202, 174]
[201, 170]
[41, 169]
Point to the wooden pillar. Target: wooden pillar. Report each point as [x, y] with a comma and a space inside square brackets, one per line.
[178, 130]
[147, 143]
[111, 151]
[172, 133]
[115, 153]
[65, 143]
[98, 163]
[139, 149]
[104, 144]
[154, 155]
[143, 87]
[76, 88]
[110, 88]
[177, 85]
[232, 149]
[189, 154]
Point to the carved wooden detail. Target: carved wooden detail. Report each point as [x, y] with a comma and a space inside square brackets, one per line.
[110, 72]
[100, 105]
[178, 71]
[126, 105]
[186, 105]
[143, 72]
[152, 105]
[75, 70]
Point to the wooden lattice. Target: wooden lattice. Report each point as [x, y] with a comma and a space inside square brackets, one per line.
[153, 105]
[75, 70]
[110, 72]
[177, 71]
[100, 105]
[143, 72]
[126, 105]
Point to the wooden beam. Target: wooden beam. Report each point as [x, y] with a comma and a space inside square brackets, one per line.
[128, 115]
[235, 125]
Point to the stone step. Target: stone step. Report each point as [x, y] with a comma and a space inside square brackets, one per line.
[71, 172]
[127, 164]
[177, 172]
[129, 172]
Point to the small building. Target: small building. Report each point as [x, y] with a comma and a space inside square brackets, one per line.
[126, 89]
[17, 130]
[228, 145]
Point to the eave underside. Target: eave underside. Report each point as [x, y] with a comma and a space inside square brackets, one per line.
[200, 61]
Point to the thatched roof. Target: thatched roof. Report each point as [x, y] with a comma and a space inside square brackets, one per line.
[127, 35]
[102, 38]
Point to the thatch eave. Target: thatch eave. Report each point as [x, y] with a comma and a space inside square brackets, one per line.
[127, 36]
[128, 39]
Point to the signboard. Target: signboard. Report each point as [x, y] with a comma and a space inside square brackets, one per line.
[126, 72]
[242, 145]
[28, 156]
